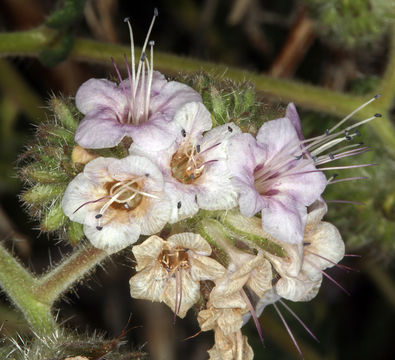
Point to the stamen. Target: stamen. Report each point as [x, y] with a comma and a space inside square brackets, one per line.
[299, 320]
[91, 202]
[288, 330]
[345, 202]
[179, 205]
[144, 47]
[183, 133]
[133, 80]
[352, 113]
[253, 314]
[329, 277]
[119, 75]
[348, 179]
[340, 266]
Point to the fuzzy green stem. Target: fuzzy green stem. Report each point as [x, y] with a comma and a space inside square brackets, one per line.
[19, 285]
[30, 43]
[52, 285]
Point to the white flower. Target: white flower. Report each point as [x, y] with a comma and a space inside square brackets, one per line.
[117, 200]
[322, 248]
[194, 166]
[170, 271]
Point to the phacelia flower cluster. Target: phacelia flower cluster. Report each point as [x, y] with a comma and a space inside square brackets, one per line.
[231, 222]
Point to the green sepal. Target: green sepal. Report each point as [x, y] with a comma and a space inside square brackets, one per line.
[64, 114]
[38, 173]
[75, 232]
[250, 229]
[41, 194]
[53, 219]
[56, 134]
[210, 230]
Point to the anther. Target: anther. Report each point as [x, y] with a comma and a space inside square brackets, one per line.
[377, 96]
[151, 43]
[143, 56]
[99, 228]
[230, 129]
[156, 12]
[348, 138]
[299, 157]
[315, 158]
[357, 132]
[331, 156]
[127, 19]
[306, 244]
[327, 132]
[98, 216]
[183, 133]
[334, 176]
[146, 175]
[378, 115]
[198, 148]
[192, 176]
[179, 205]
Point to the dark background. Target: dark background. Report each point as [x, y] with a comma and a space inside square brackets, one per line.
[256, 37]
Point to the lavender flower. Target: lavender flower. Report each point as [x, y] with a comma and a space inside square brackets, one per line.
[142, 106]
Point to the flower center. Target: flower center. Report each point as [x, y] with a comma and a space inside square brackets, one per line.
[174, 259]
[127, 194]
[186, 165]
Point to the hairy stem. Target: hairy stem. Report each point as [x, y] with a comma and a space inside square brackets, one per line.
[52, 285]
[19, 285]
[30, 43]
[34, 297]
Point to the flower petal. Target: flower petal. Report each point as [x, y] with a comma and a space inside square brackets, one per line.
[189, 296]
[194, 119]
[277, 136]
[100, 93]
[113, 237]
[99, 129]
[284, 218]
[149, 283]
[148, 252]
[154, 135]
[172, 97]
[292, 114]
[183, 200]
[191, 241]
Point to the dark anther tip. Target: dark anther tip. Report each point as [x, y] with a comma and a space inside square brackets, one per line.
[99, 228]
[377, 96]
[126, 19]
[156, 12]
[230, 129]
[98, 216]
[179, 205]
[378, 115]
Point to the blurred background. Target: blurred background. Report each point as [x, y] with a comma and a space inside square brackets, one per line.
[342, 45]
